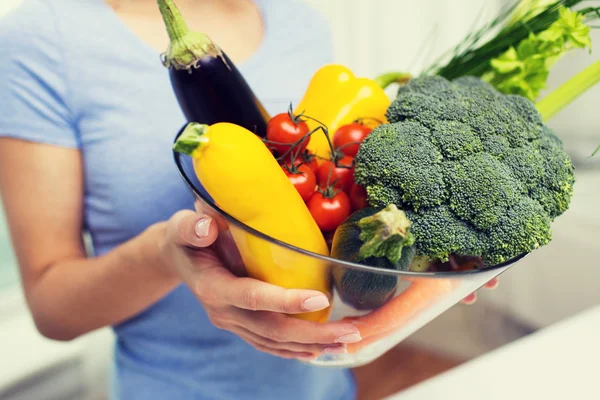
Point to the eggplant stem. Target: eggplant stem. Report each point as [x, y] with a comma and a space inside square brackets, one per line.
[176, 25]
[186, 47]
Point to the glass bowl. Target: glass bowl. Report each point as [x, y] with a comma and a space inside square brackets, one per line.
[386, 305]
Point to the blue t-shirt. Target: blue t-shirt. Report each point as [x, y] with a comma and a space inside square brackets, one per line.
[72, 74]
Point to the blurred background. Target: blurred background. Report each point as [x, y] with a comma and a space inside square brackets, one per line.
[374, 36]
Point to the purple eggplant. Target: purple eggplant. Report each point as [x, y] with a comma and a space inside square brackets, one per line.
[208, 86]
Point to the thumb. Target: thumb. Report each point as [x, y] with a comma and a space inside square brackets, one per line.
[190, 229]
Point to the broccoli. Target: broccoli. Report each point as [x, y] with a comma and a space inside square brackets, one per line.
[477, 171]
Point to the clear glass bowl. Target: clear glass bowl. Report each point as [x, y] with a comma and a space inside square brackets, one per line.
[386, 305]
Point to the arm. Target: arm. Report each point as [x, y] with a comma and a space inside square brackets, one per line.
[69, 294]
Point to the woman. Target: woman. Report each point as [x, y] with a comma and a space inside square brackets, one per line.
[86, 122]
[87, 116]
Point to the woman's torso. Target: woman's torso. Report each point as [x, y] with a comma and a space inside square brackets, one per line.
[124, 117]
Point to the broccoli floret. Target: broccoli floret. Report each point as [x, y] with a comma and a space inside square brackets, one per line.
[521, 229]
[482, 188]
[441, 233]
[430, 86]
[555, 187]
[455, 139]
[474, 84]
[548, 139]
[527, 165]
[411, 165]
[415, 106]
[417, 102]
[496, 146]
[381, 195]
[525, 108]
[477, 171]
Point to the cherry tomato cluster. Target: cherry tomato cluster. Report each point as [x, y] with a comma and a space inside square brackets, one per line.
[326, 185]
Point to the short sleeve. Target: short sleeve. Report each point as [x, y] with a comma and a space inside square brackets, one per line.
[33, 89]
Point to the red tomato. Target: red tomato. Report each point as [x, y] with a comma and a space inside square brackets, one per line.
[309, 159]
[329, 213]
[303, 180]
[350, 133]
[305, 158]
[358, 197]
[342, 174]
[285, 132]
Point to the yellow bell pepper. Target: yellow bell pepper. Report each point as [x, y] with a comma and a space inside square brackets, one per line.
[244, 179]
[336, 97]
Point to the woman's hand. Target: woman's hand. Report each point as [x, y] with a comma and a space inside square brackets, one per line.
[251, 309]
[472, 298]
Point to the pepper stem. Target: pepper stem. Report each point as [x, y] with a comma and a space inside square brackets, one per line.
[569, 91]
[385, 234]
[387, 79]
[192, 138]
[185, 47]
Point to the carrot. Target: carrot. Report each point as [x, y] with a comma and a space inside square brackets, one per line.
[396, 312]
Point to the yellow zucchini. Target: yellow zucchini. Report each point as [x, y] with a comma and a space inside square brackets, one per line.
[246, 181]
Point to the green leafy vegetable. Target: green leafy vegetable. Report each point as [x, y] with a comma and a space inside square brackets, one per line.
[514, 23]
[524, 69]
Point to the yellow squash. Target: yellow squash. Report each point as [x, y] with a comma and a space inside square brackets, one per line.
[245, 180]
[336, 97]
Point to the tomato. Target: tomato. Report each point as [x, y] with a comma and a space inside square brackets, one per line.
[342, 174]
[329, 213]
[306, 158]
[358, 197]
[309, 159]
[351, 133]
[303, 180]
[285, 131]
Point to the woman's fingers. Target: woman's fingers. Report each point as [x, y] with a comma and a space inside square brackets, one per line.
[282, 353]
[252, 294]
[470, 299]
[190, 229]
[290, 346]
[492, 284]
[284, 329]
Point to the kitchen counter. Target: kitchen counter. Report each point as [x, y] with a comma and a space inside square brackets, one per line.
[556, 363]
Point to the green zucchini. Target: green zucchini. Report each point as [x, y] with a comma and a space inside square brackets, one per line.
[378, 238]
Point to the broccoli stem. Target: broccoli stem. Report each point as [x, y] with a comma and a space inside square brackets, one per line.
[569, 91]
[385, 234]
[384, 80]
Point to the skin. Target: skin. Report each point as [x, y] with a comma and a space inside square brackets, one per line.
[70, 294]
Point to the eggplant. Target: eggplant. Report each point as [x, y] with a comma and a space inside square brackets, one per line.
[208, 86]
[378, 238]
